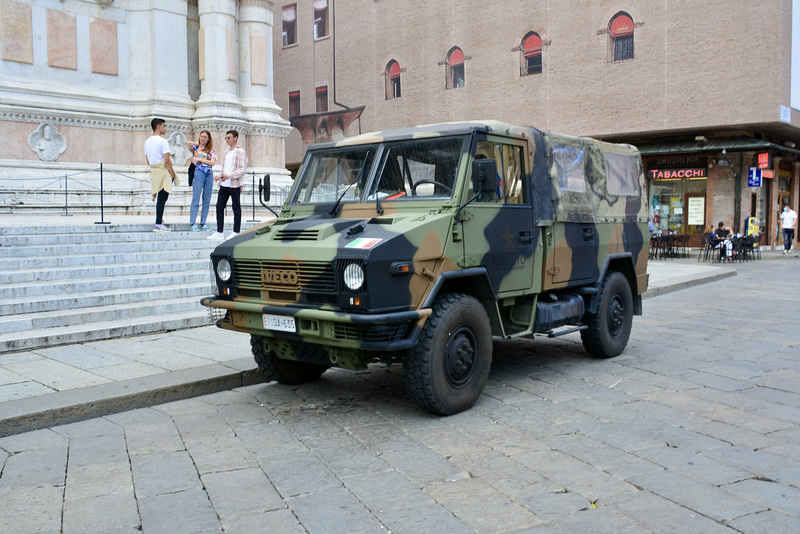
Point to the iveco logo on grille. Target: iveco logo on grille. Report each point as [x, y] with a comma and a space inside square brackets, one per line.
[283, 277]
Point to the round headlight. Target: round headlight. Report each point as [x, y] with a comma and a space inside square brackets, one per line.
[354, 276]
[224, 270]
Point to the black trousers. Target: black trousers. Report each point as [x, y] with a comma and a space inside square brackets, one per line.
[223, 195]
[161, 201]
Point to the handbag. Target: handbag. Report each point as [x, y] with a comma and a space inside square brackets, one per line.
[191, 174]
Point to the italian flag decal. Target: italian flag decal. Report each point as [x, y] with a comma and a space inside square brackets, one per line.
[363, 242]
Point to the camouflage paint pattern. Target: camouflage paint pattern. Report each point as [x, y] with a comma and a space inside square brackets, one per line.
[566, 234]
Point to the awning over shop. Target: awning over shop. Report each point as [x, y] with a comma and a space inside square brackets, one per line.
[734, 144]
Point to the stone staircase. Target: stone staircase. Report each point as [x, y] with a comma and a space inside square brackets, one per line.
[70, 284]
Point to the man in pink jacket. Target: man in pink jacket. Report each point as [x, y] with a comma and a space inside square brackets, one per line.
[234, 164]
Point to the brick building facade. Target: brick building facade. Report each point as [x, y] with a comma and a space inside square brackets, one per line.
[683, 81]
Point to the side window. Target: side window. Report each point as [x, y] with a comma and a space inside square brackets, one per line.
[510, 172]
[320, 19]
[621, 31]
[392, 80]
[294, 103]
[622, 177]
[531, 50]
[514, 168]
[455, 69]
[570, 163]
[322, 99]
[289, 24]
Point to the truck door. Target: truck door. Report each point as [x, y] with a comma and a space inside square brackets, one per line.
[498, 229]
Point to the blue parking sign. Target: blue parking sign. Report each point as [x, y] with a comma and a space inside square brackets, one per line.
[754, 177]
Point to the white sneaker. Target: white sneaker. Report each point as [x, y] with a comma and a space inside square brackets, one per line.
[233, 234]
[161, 228]
[216, 236]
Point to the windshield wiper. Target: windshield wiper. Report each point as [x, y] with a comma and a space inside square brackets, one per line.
[378, 207]
[338, 200]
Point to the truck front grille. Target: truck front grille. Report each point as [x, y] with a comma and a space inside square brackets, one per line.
[306, 277]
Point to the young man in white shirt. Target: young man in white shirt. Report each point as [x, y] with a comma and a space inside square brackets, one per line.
[788, 223]
[234, 164]
[162, 175]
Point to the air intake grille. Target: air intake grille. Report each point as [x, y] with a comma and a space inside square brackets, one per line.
[285, 234]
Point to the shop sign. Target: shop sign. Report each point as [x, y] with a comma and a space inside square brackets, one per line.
[678, 162]
[764, 160]
[697, 211]
[767, 173]
[691, 173]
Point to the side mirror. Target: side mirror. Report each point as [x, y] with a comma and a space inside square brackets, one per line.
[484, 176]
[263, 188]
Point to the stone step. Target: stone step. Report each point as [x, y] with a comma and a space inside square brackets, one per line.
[23, 292]
[148, 324]
[60, 236]
[83, 249]
[100, 271]
[120, 230]
[85, 316]
[68, 302]
[121, 258]
[75, 283]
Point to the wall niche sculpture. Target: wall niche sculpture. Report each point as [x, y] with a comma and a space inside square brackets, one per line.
[47, 142]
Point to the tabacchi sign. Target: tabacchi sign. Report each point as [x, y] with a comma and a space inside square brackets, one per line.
[691, 173]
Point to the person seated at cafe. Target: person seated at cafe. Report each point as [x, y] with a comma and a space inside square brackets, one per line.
[721, 231]
[711, 236]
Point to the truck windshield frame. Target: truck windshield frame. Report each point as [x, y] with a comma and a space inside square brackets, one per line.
[405, 171]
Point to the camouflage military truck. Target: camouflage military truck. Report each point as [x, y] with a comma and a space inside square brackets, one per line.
[421, 245]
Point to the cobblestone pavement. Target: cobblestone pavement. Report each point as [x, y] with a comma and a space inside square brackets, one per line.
[695, 428]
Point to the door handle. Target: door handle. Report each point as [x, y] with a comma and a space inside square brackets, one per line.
[525, 237]
[588, 234]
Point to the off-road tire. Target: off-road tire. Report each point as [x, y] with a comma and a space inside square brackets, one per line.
[283, 371]
[447, 370]
[610, 328]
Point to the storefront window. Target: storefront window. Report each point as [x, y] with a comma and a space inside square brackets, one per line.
[678, 205]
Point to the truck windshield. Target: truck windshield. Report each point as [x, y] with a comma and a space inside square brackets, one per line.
[418, 169]
[328, 175]
[414, 169]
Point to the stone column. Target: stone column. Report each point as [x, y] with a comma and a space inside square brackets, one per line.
[219, 65]
[158, 52]
[255, 56]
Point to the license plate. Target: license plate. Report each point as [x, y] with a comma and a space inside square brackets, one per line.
[279, 322]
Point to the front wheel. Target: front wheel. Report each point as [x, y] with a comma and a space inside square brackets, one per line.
[610, 328]
[447, 370]
[282, 371]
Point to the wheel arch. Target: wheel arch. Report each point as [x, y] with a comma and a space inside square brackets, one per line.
[474, 282]
[622, 263]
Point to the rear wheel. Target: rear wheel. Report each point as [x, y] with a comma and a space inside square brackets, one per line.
[288, 372]
[447, 370]
[610, 328]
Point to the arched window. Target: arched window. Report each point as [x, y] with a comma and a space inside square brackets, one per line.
[621, 31]
[531, 54]
[455, 68]
[392, 80]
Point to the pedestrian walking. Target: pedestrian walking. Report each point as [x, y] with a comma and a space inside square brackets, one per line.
[788, 223]
[162, 175]
[204, 158]
[234, 164]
